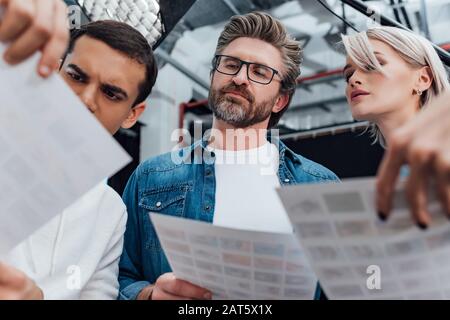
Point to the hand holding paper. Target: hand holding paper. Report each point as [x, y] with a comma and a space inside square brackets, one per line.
[235, 264]
[29, 26]
[356, 255]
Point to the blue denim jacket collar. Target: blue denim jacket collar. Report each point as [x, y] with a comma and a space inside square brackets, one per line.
[284, 151]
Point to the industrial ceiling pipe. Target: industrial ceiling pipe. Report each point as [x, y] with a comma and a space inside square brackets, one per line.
[385, 21]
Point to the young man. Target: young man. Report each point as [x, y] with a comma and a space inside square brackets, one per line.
[229, 184]
[111, 67]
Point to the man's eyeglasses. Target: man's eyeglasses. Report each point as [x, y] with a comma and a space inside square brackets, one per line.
[256, 72]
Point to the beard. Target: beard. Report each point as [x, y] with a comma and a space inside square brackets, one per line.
[237, 112]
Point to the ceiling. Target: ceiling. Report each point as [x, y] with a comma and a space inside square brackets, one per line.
[318, 102]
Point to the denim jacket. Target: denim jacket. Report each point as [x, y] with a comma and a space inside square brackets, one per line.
[182, 183]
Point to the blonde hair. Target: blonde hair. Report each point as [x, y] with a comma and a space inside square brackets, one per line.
[414, 49]
[262, 26]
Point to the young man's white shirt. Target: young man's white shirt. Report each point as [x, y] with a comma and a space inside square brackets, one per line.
[76, 254]
[245, 190]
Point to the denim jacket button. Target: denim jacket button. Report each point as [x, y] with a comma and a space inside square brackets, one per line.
[286, 180]
[207, 208]
[158, 204]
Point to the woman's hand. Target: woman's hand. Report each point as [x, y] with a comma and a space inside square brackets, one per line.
[424, 144]
[15, 285]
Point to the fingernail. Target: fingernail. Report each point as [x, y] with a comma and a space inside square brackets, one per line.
[7, 58]
[382, 216]
[422, 226]
[44, 70]
[208, 296]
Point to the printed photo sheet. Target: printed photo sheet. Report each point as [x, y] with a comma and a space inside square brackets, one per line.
[356, 255]
[235, 264]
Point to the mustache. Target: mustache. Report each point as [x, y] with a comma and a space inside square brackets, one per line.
[240, 89]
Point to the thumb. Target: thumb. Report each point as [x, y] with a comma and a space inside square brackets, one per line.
[10, 275]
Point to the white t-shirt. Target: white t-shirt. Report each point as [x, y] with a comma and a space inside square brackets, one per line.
[245, 190]
[76, 254]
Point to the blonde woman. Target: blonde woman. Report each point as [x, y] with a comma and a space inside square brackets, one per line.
[391, 75]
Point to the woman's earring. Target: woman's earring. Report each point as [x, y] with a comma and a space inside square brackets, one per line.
[419, 92]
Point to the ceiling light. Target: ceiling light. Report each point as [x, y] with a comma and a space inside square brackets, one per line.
[144, 15]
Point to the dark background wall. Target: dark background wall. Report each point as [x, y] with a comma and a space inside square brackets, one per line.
[348, 154]
[130, 140]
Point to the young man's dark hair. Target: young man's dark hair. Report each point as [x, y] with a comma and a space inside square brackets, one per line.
[126, 39]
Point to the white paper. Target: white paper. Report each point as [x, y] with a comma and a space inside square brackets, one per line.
[235, 264]
[349, 246]
[52, 150]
